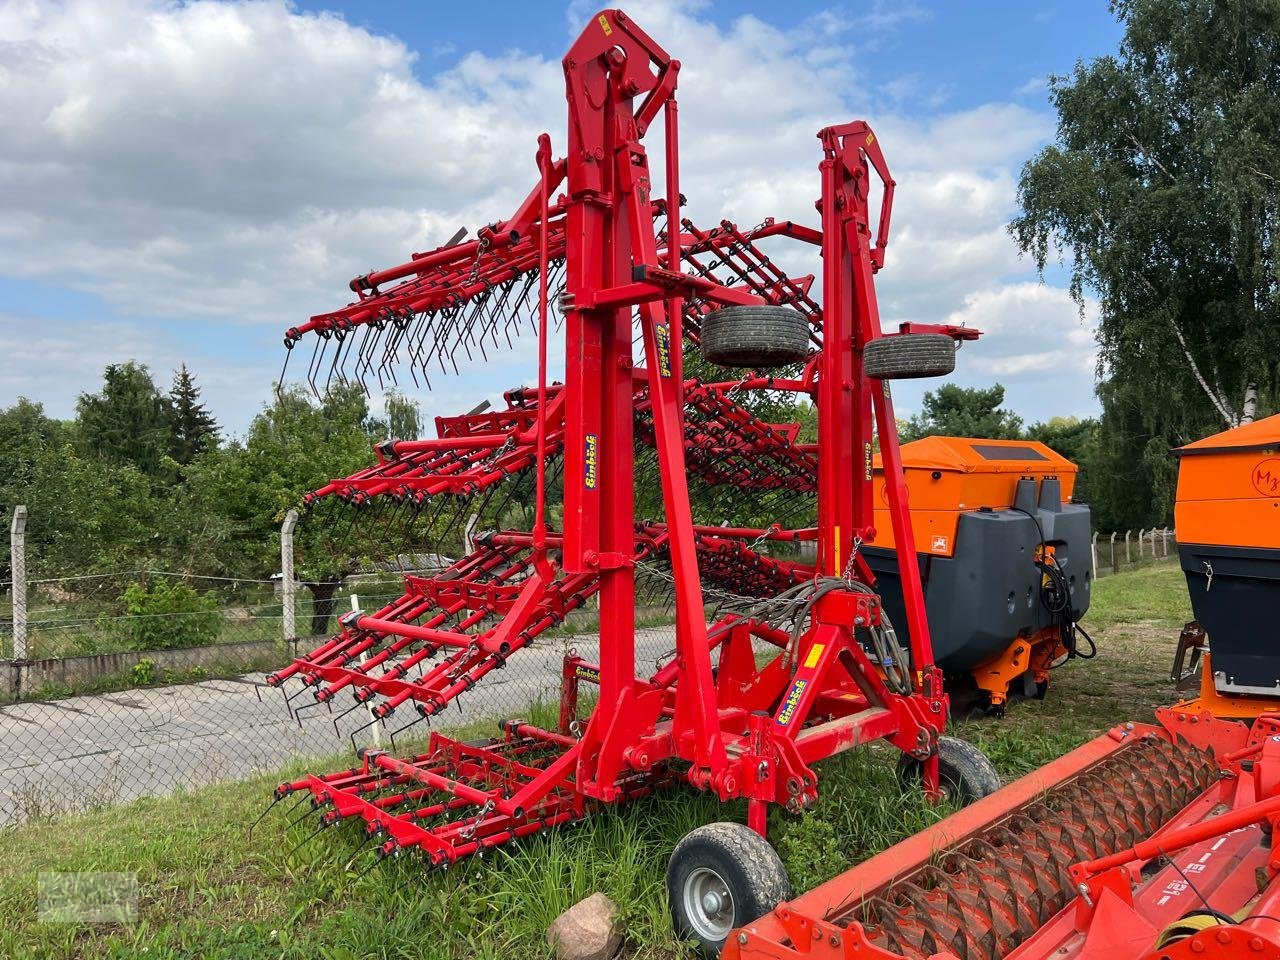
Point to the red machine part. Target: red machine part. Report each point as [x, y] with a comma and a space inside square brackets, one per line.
[748, 728]
[1148, 843]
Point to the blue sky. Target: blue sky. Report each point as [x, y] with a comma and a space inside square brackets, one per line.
[184, 182]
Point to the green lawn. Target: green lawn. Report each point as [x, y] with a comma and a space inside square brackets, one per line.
[209, 889]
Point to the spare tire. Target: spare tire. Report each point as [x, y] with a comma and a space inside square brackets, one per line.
[908, 356]
[755, 336]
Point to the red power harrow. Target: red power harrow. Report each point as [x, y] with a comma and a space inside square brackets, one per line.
[1152, 842]
[636, 283]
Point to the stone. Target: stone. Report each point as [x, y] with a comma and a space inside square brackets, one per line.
[589, 930]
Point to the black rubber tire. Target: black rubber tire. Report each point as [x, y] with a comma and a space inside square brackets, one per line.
[909, 356]
[746, 863]
[966, 773]
[755, 337]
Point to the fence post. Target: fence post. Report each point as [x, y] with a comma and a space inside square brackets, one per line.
[1164, 536]
[1093, 550]
[1115, 568]
[1141, 540]
[469, 534]
[1128, 556]
[18, 563]
[288, 621]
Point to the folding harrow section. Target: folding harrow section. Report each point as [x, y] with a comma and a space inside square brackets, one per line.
[457, 798]
[446, 632]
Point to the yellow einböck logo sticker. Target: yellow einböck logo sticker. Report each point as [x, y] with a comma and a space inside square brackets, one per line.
[591, 462]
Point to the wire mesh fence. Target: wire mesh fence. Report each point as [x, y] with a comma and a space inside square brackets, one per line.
[142, 681]
[1120, 550]
[121, 698]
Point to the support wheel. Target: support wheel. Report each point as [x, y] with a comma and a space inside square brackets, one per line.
[909, 356]
[720, 877]
[965, 772]
[755, 337]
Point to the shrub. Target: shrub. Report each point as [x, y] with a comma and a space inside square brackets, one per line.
[166, 615]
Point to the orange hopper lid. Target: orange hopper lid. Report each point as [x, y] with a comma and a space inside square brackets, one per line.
[1259, 435]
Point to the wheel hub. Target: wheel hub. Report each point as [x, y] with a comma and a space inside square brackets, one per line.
[708, 904]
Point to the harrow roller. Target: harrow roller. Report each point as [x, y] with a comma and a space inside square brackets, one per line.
[1022, 874]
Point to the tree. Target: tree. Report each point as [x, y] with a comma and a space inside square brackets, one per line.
[84, 513]
[192, 427]
[1162, 193]
[1069, 436]
[1077, 440]
[244, 488]
[129, 421]
[953, 411]
[404, 417]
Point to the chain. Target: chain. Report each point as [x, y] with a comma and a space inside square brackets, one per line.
[848, 567]
[468, 833]
[481, 247]
[738, 386]
[507, 444]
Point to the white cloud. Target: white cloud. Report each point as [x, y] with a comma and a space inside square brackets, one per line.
[241, 161]
[1035, 342]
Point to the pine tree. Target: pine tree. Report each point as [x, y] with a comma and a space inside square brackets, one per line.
[129, 421]
[193, 428]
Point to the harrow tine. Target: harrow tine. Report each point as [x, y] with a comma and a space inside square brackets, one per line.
[382, 857]
[310, 706]
[368, 836]
[298, 846]
[351, 709]
[306, 813]
[392, 734]
[305, 687]
[287, 698]
[262, 816]
[284, 367]
[317, 358]
[357, 730]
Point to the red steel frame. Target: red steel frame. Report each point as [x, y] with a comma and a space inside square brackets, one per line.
[741, 731]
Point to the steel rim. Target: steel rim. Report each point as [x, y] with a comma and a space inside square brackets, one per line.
[708, 904]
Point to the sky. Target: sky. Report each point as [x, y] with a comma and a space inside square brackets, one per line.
[182, 182]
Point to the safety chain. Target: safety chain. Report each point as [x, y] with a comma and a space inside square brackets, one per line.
[498, 451]
[738, 386]
[848, 567]
[481, 247]
[468, 833]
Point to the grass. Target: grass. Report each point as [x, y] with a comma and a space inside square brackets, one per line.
[208, 888]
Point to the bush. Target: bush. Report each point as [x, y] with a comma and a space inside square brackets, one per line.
[167, 615]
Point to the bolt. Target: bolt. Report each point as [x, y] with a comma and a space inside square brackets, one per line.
[742, 938]
[835, 941]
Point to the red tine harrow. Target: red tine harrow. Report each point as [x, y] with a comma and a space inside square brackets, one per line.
[637, 283]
